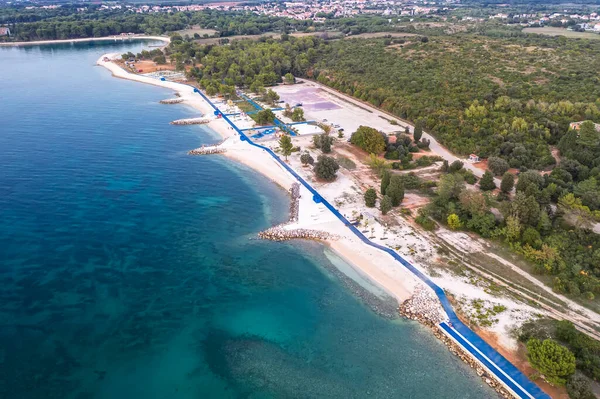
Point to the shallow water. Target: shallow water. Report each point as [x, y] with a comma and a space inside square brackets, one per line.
[127, 268]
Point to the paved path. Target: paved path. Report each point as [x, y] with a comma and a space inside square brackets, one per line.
[505, 371]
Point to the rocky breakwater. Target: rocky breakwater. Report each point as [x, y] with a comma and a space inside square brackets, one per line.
[171, 101]
[295, 202]
[208, 149]
[425, 307]
[191, 121]
[279, 233]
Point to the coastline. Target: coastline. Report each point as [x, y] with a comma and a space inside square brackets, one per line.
[86, 39]
[379, 266]
[348, 247]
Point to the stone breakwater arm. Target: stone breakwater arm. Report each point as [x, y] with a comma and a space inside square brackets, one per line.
[171, 101]
[279, 233]
[191, 121]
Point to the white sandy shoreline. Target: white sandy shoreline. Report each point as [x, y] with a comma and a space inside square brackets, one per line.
[367, 259]
[87, 39]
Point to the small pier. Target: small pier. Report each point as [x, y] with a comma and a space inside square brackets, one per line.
[191, 121]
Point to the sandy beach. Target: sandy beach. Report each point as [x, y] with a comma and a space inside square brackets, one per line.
[87, 39]
[378, 266]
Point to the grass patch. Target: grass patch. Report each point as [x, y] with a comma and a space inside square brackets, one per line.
[346, 163]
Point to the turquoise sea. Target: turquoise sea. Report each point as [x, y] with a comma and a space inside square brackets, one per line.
[127, 268]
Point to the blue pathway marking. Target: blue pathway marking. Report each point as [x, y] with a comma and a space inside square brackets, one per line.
[494, 361]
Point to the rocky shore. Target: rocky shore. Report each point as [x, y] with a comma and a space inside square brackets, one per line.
[425, 308]
[171, 101]
[191, 121]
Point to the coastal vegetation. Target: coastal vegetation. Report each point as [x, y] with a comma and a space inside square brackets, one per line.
[326, 168]
[576, 368]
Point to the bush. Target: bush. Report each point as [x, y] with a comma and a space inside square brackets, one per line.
[264, 117]
[369, 139]
[395, 190]
[306, 159]
[386, 204]
[454, 222]
[455, 166]
[469, 177]
[498, 166]
[554, 361]
[579, 387]
[370, 197]
[507, 183]
[326, 168]
[487, 181]
[425, 222]
[323, 142]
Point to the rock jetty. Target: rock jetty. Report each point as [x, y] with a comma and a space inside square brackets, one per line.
[208, 150]
[295, 202]
[424, 307]
[191, 121]
[279, 233]
[171, 101]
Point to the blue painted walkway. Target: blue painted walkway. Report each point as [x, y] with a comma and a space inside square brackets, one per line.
[494, 361]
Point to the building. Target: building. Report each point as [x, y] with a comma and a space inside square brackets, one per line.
[473, 158]
[4, 31]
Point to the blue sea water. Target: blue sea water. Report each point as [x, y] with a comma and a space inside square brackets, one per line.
[127, 268]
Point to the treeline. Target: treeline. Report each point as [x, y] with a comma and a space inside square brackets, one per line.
[477, 95]
[97, 24]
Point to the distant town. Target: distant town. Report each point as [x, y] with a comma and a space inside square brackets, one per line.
[396, 11]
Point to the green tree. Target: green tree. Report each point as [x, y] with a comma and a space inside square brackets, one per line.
[306, 159]
[512, 229]
[265, 117]
[579, 387]
[378, 165]
[507, 183]
[487, 181]
[528, 179]
[454, 221]
[370, 197]
[554, 361]
[369, 139]
[418, 132]
[271, 96]
[385, 204]
[498, 166]
[395, 190]
[326, 168]
[450, 186]
[298, 115]
[455, 166]
[289, 79]
[385, 180]
[286, 146]
[588, 135]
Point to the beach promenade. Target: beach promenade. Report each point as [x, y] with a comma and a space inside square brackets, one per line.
[494, 362]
